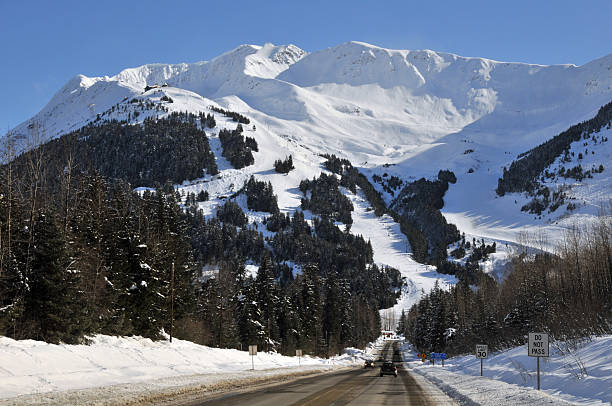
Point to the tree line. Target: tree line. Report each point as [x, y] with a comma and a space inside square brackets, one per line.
[160, 150]
[82, 253]
[90, 256]
[567, 293]
[231, 114]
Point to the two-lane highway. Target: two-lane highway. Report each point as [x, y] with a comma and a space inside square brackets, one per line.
[363, 387]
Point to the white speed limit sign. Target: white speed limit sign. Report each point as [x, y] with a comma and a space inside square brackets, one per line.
[482, 351]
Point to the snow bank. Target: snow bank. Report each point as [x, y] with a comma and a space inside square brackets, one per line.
[34, 367]
[167, 391]
[581, 375]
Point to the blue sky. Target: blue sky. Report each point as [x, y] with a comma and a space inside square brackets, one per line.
[45, 43]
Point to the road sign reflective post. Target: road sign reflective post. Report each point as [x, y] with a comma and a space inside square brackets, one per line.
[538, 347]
[298, 353]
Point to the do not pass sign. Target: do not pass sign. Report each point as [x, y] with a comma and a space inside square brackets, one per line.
[538, 345]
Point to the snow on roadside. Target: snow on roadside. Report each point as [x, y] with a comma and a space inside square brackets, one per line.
[169, 390]
[578, 375]
[34, 367]
[484, 391]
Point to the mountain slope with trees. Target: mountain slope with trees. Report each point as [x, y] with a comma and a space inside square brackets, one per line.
[171, 149]
[89, 255]
[551, 163]
[257, 235]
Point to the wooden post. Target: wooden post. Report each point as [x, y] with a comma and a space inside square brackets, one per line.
[172, 302]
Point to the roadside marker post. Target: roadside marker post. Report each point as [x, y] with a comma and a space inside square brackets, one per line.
[482, 352]
[538, 347]
[252, 353]
[298, 353]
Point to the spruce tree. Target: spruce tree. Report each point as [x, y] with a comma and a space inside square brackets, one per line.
[54, 304]
[310, 308]
[249, 316]
[267, 297]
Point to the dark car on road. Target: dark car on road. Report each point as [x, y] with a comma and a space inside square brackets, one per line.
[388, 368]
[368, 363]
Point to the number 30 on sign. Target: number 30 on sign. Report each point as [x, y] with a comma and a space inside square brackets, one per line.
[482, 351]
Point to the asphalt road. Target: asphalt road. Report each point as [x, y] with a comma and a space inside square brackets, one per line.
[364, 387]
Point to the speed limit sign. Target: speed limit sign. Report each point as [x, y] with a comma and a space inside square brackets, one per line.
[482, 351]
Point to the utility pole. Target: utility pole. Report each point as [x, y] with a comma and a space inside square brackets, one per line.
[172, 302]
[268, 343]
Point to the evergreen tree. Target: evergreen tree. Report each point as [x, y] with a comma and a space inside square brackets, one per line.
[284, 166]
[202, 196]
[231, 213]
[54, 304]
[260, 196]
[249, 316]
[288, 322]
[310, 308]
[268, 299]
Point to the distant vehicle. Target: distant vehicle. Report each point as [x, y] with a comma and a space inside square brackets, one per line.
[388, 368]
[369, 363]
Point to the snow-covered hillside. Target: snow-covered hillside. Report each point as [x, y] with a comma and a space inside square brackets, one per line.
[405, 113]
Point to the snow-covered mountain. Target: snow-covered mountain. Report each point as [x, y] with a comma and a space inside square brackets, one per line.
[406, 97]
[400, 112]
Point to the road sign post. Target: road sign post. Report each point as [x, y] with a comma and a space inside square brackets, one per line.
[252, 353]
[538, 347]
[482, 352]
[438, 355]
[298, 353]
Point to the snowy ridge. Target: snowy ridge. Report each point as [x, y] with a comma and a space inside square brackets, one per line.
[414, 96]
